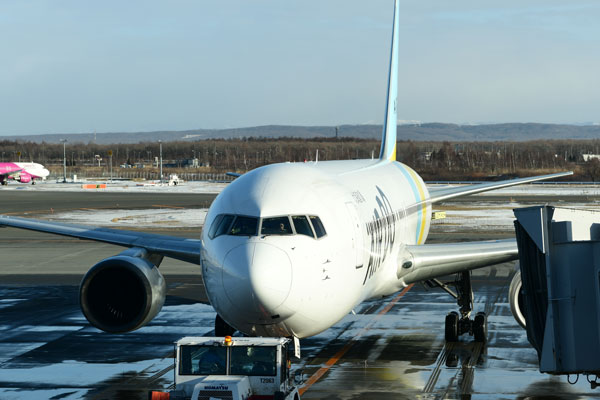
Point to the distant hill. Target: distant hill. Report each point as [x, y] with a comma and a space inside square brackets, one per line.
[417, 132]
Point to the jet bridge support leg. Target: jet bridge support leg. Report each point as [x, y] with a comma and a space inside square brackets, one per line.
[456, 324]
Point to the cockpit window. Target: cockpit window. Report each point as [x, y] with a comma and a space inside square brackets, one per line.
[318, 225]
[244, 226]
[220, 225]
[214, 226]
[302, 225]
[276, 226]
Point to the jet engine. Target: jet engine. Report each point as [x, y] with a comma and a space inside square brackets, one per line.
[24, 178]
[515, 298]
[122, 293]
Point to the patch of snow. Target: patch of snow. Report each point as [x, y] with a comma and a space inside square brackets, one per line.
[122, 186]
[21, 394]
[167, 217]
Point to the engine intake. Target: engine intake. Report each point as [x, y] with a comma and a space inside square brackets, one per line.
[122, 293]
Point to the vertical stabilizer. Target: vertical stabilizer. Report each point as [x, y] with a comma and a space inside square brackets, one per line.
[388, 140]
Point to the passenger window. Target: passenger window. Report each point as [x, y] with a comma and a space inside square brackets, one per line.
[302, 225]
[244, 226]
[224, 224]
[319, 228]
[276, 226]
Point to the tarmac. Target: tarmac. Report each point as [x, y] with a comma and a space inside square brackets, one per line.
[391, 349]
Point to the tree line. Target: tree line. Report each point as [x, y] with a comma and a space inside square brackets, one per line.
[432, 160]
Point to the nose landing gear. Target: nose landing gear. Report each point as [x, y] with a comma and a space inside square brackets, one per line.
[458, 324]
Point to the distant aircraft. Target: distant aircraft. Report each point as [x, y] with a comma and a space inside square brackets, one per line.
[22, 172]
[290, 249]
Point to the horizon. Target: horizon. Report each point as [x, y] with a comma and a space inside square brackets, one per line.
[411, 123]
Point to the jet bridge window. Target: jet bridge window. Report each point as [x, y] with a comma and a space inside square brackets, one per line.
[276, 226]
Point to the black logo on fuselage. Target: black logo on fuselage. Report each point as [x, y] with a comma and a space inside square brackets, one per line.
[382, 233]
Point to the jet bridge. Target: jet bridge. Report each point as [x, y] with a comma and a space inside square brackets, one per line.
[559, 252]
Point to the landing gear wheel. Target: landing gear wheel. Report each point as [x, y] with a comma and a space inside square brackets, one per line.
[452, 327]
[480, 327]
[222, 328]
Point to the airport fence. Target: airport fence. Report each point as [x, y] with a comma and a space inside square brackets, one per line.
[137, 174]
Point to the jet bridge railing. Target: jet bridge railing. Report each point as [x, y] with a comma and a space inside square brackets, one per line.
[559, 252]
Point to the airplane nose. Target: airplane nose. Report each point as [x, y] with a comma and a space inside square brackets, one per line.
[257, 278]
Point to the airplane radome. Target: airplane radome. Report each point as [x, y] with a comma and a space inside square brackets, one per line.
[290, 249]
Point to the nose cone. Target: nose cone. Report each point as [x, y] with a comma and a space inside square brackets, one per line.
[257, 278]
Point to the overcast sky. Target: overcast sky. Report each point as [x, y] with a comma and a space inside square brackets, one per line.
[78, 66]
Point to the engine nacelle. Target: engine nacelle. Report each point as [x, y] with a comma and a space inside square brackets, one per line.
[515, 298]
[24, 178]
[122, 293]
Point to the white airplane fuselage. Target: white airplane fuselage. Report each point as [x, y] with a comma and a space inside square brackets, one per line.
[297, 285]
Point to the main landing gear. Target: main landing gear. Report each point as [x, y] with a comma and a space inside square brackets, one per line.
[458, 324]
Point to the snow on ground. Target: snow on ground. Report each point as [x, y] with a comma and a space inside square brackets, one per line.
[487, 216]
[77, 373]
[217, 187]
[477, 214]
[153, 218]
[491, 216]
[33, 394]
[122, 186]
[538, 190]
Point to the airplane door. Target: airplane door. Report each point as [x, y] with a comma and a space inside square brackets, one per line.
[357, 236]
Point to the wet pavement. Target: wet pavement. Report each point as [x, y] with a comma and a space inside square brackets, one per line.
[47, 349]
[404, 355]
[391, 349]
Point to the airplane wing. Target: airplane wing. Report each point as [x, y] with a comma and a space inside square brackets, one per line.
[169, 246]
[11, 173]
[422, 262]
[445, 193]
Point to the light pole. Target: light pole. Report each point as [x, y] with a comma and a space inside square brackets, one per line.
[110, 156]
[64, 142]
[160, 144]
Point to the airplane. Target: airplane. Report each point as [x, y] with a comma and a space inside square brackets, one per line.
[23, 172]
[289, 249]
